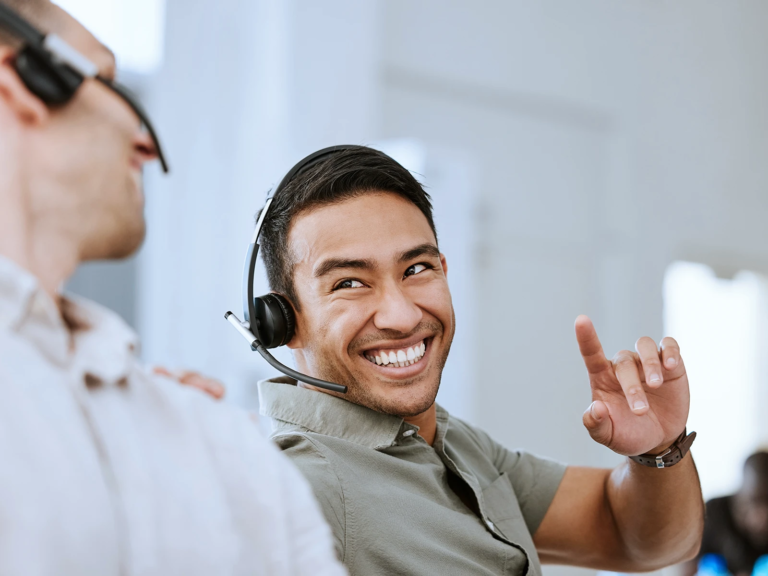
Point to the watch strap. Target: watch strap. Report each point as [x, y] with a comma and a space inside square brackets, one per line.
[671, 456]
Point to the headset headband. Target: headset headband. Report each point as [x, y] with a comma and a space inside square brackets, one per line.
[249, 329]
[253, 250]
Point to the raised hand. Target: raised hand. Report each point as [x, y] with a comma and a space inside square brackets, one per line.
[640, 399]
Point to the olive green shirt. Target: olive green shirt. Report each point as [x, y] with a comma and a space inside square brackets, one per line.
[397, 505]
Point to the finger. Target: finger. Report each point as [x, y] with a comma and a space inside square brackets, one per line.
[208, 385]
[670, 356]
[598, 423]
[162, 371]
[649, 358]
[186, 376]
[589, 346]
[628, 375]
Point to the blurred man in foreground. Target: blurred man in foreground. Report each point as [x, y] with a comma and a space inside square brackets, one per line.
[107, 469]
[736, 527]
[407, 488]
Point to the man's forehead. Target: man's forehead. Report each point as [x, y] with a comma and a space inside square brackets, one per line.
[81, 39]
[368, 226]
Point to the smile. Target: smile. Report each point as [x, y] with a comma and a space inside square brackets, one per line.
[397, 357]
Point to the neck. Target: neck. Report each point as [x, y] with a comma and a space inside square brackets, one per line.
[427, 423]
[35, 244]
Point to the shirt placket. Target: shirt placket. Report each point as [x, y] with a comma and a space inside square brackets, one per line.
[470, 481]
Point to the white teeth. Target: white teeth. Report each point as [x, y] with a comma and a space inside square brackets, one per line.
[399, 358]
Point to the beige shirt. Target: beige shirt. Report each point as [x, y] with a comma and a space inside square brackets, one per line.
[397, 505]
[107, 470]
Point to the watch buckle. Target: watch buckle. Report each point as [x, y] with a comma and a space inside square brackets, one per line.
[660, 457]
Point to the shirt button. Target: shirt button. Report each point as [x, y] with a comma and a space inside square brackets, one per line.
[408, 433]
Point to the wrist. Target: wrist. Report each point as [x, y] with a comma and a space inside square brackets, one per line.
[664, 456]
[661, 448]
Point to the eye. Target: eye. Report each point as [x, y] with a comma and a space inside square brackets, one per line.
[417, 268]
[349, 284]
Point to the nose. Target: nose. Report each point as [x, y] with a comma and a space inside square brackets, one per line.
[144, 148]
[397, 312]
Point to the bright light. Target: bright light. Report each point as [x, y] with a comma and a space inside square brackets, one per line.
[718, 324]
[133, 29]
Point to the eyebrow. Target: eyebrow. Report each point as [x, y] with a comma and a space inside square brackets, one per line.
[332, 264]
[426, 249]
[338, 263]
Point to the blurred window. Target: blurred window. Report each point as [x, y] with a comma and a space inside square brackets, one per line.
[133, 29]
[720, 325]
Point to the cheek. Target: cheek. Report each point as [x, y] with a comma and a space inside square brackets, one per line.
[435, 298]
[340, 324]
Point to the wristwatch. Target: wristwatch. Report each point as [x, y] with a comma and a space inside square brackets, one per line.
[671, 455]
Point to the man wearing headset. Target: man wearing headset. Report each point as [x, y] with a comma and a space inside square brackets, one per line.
[105, 468]
[350, 245]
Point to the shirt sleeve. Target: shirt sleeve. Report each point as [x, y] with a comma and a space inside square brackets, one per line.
[314, 466]
[534, 479]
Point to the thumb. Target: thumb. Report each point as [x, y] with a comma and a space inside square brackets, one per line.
[598, 423]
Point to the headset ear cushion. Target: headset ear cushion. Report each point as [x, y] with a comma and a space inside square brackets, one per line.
[288, 314]
[275, 320]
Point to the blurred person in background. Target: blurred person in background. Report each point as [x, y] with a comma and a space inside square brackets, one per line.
[350, 244]
[736, 526]
[106, 468]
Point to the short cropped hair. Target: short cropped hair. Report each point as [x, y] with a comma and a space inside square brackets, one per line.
[343, 175]
[34, 11]
[758, 463]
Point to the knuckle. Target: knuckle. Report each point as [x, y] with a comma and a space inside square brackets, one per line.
[623, 358]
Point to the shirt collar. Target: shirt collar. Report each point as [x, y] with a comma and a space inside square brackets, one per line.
[103, 343]
[281, 399]
[17, 291]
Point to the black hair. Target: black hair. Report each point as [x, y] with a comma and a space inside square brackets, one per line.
[343, 175]
[758, 463]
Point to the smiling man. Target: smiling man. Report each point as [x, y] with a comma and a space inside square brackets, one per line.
[407, 488]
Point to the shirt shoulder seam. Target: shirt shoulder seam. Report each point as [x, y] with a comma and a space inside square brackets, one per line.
[319, 449]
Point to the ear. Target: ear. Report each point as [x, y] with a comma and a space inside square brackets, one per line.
[444, 264]
[14, 94]
[297, 341]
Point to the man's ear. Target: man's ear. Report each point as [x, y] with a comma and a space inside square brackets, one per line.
[15, 95]
[296, 341]
[444, 264]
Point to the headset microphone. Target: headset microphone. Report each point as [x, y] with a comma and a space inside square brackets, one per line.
[270, 320]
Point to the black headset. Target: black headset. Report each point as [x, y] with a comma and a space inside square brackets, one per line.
[53, 70]
[270, 320]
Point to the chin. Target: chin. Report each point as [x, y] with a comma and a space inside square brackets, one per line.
[121, 240]
[403, 401]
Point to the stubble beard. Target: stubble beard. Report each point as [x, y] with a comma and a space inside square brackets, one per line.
[359, 391]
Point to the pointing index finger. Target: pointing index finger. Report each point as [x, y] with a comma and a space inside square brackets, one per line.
[589, 346]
